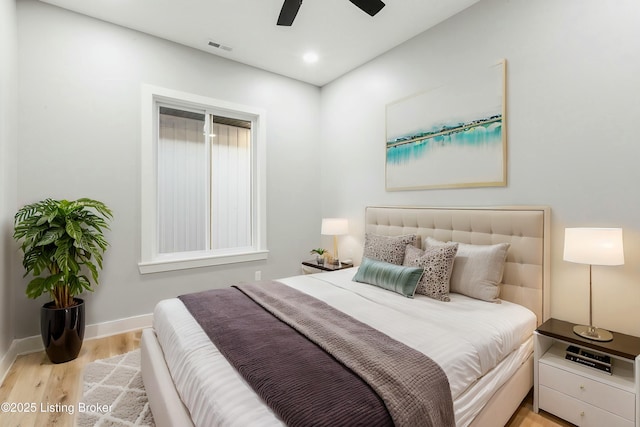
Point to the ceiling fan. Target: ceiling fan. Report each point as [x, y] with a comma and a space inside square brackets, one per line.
[290, 9]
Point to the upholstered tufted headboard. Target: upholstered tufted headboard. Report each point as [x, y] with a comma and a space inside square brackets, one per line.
[527, 271]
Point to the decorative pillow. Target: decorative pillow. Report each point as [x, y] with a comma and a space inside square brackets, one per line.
[437, 262]
[387, 248]
[392, 277]
[477, 269]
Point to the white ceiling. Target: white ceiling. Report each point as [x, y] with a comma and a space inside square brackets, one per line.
[342, 35]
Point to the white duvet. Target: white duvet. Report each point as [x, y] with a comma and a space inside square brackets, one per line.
[478, 344]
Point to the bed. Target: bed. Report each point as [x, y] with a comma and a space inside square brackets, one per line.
[486, 387]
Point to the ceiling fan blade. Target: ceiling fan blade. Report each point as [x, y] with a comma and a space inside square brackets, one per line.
[288, 12]
[370, 6]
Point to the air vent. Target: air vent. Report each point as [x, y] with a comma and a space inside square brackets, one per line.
[220, 46]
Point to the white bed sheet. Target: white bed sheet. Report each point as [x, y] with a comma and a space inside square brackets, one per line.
[468, 338]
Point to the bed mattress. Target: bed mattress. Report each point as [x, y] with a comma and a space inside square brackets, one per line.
[478, 344]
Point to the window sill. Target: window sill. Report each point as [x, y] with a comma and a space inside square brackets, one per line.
[171, 263]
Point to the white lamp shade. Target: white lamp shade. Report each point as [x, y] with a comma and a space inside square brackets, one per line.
[334, 226]
[595, 246]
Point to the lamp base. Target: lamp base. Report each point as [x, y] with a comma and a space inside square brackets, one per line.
[593, 333]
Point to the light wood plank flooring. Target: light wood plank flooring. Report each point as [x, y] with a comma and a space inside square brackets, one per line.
[33, 379]
[525, 417]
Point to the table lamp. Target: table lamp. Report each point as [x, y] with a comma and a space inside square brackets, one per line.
[334, 227]
[593, 246]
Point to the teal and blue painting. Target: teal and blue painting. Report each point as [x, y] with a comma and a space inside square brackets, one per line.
[459, 154]
[479, 133]
[451, 135]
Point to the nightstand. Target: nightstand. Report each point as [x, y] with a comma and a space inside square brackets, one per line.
[311, 267]
[580, 394]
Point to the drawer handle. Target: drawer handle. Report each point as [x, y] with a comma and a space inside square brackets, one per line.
[581, 387]
[582, 414]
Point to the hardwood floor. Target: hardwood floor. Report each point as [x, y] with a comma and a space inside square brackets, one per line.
[51, 389]
[525, 417]
[54, 388]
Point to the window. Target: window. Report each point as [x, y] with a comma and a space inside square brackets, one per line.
[203, 183]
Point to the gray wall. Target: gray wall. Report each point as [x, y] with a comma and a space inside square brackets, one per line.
[572, 119]
[8, 144]
[79, 115]
[572, 113]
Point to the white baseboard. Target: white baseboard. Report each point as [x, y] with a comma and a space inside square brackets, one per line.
[98, 330]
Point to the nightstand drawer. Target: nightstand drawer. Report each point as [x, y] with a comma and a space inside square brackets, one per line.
[604, 396]
[578, 412]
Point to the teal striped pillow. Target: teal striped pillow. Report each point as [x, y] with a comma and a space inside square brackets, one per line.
[396, 278]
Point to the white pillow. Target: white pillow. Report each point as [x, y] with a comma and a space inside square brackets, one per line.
[477, 269]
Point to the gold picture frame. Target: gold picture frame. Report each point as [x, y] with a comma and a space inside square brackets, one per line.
[452, 136]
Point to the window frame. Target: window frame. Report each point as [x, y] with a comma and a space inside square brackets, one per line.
[151, 261]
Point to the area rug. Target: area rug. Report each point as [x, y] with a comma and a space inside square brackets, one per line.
[113, 394]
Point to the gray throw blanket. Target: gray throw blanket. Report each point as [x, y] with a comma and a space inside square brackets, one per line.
[413, 387]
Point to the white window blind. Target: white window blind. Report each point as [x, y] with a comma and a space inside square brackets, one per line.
[182, 184]
[230, 187]
[203, 181]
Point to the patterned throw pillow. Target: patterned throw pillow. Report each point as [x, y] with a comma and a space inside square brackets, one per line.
[437, 263]
[477, 270]
[387, 248]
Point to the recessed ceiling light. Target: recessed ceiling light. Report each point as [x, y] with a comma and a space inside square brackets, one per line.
[310, 57]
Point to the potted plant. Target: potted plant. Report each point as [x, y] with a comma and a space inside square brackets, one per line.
[63, 243]
[320, 254]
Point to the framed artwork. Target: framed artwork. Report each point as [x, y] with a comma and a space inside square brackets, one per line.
[451, 136]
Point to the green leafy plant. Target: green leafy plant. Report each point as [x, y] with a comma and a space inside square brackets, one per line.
[318, 251]
[61, 241]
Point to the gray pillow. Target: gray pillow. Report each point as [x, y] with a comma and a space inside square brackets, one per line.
[387, 248]
[392, 277]
[437, 262]
[477, 269]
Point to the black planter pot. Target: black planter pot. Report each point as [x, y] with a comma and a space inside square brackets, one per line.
[62, 331]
